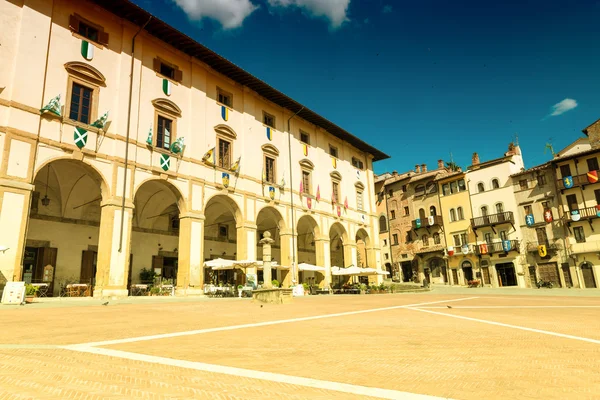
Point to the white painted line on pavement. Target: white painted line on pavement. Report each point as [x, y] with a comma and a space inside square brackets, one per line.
[267, 323]
[523, 328]
[513, 307]
[253, 374]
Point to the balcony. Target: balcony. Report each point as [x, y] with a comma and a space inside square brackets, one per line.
[495, 247]
[506, 217]
[578, 180]
[424, 223]
[532, 247]
[588, 213]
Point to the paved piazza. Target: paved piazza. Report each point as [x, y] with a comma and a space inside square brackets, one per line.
[396, 346]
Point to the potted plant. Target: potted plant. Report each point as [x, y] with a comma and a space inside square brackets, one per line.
[147, 276]
[155, 291]
[275, 283]
[30, 292]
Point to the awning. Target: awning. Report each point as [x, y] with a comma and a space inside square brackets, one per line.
[309, 267]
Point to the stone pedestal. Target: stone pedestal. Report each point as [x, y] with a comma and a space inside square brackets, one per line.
[273, 296]
[266, 242]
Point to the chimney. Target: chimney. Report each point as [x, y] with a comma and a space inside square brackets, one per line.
[423, 167]
[417, 168]
[511, 149]
[593, 133]
[475, 159]
[440, 164]
[394, 173]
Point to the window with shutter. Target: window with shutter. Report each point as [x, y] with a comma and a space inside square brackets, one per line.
[167, 70]
[88, 30]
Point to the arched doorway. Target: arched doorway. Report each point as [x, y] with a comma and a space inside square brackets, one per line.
[587, 270]
[223, 239]
[339, 252]
[467, 268]
[506, 274]
[363, 258]
[308, 231]
[64, 225]
[270, 220]
[155, 233]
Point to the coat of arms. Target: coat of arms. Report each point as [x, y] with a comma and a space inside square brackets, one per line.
[225, 179]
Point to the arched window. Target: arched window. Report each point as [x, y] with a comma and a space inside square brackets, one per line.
[422, 213]
[382, 224]
[408, 236]
[467, 264]
[484, 211]
[425, 240]
[432, 211]
[431, 187]
[480, 187]
[459, 212]
[436, 238]
[495, 183]
[420, 190]
[499, 208]
[452, 215]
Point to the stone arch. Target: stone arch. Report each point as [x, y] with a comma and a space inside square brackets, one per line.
[156, 197]
[230, 205]
[361, 234]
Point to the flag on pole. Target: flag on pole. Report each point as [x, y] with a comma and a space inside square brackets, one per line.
[209, 157]
[318, 193]
[235, 168]
[149, 138]
[100, 122]
[346, 203]
[178, 145]
[264, 175]
[53, 106]
[282, 184]
[301, 188]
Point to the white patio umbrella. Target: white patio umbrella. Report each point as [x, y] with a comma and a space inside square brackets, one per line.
[310, 267]
[382, 272]
[219, 263]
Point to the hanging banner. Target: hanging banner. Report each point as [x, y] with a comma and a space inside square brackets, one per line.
[269, 133]
[149, 139]
[548, 215]
[465, 249]
[334, 162]
[450, 251]
[53, 106]
[271, 192]
[529, 220]
[318, 193]
[568, 182]
[165, 162]
[178, 145]
[225, 179]
[431, 220]
[87, 50]
[592, 176]
[506, 246]
[305, 149]
[339, 211]
[542, 250]
[483, 248]
[309, 202]
[575, 215]
[80, 136]
[418, 223]
[166, 86]
[224, 113]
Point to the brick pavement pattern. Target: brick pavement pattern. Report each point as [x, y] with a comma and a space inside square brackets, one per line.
[398, 349]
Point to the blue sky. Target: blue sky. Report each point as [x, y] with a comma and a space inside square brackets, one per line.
[418, 79]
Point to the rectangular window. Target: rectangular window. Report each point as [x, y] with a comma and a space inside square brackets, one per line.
[406, 211]
[456, 239]
[357, 163]
[390, 192]
[393, 214]
[224, 97]
[541, 180]
[578, 233]
[333, 151]
[167, 70]
[304, 137]
[542, 236]
[446, 189]
[359, 200]
[463, 238]
[592, 164]
[523, 184]
[164, 132]
[572, 202]
[270, 169]
[453, 187]
[385, 242]
[404, 188]
[565, 170]
[387, 256]
[527, 209]
[545, 204]
[597, 194]
[88, 30]
[336, 192]
[503, 235]
[461, 185]
[408, 237]
[395, 238]
[268, 119]
[81, 103]
[306, 182]
[488, 237]
[224, 154]
[223, 231]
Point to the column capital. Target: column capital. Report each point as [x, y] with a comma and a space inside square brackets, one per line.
[192, 215]
[322, 238]
[247, 225]
[116, 202]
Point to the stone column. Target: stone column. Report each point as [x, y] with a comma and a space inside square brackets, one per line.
[14, 214]
[350, 257]
[286, 241]
[266, 246]
[322, 246]
[246, 244]
[190, 273]
[113, 265]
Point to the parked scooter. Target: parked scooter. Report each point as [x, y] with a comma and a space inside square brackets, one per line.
[542, 283]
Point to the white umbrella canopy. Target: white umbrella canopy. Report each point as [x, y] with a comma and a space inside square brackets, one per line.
[382, 272]
[309, 267]
[219, 263]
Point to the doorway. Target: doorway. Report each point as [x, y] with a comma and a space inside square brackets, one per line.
[588, 275]
[567, 274]
[467, 270]
[532, 276]
[549, 272]
[166, 268]
[506, 274]
[455, 276]
[407, 272]
[35, 264]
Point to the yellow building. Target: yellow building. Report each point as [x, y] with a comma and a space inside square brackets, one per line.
[162, 160]
[455, 205]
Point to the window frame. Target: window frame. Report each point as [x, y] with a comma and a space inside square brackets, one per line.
[452, 215]
[360, 199]
[460, 215]
[75, 21]
[173, 122]
[271, 116]
[495, 183]
[73, 80]
[523, 184]
[436, 238]
[406, 211]
[480, 187]
[395, 239]
[385, 227]
[392, 214]
[168, 110]
[595, 163]
[333, 149]
[306, 183]
[357, 163]
[157, 63]
[80, 108]
[579, 234]
[307, 142]
[220, 156]
[224, 93]
[541, 180]
[266, 158]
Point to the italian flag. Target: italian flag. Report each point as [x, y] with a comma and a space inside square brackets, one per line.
[166, 86]
[87, 50]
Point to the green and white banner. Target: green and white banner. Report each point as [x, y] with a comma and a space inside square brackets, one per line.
[165, 162]
[149, 139]
[87, 50]
[80, 136]
[178, 145]
[100, 122]
[53, 106]
[166, 86]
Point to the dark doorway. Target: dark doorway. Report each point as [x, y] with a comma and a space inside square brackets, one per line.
[532, 276]
[506, 274]
[588, 275]
[427, 276]
[467, 270]
[88, 268]
[455, 277]
[406, 271]
[567, 273]
[39, 266]
[486, 275]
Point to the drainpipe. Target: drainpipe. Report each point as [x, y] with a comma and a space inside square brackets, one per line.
[559, 207]
[292, 195]
[387, 216]
[127, 134]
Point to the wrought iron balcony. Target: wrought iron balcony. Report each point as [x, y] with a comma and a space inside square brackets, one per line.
[506, 217]
[532, 247]
[424, 223]
[495, 247]
[584, 213]
[578, 180]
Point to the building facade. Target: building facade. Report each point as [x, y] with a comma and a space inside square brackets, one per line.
[128, 146]
[493, 206]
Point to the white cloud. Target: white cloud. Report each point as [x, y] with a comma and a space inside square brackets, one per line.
[230, 13]
[334, 10]
[387, 9]
[563, 106]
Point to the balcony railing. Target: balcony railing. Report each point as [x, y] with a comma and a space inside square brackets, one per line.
[424, 223]
[532, 247]
[495, 247]
[578, 180]
[494, 219]
[584, 213]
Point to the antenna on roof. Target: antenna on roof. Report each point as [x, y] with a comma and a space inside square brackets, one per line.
[549, 147]
[516, 139]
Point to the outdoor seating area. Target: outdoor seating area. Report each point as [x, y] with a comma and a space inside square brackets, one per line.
[76, 290]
